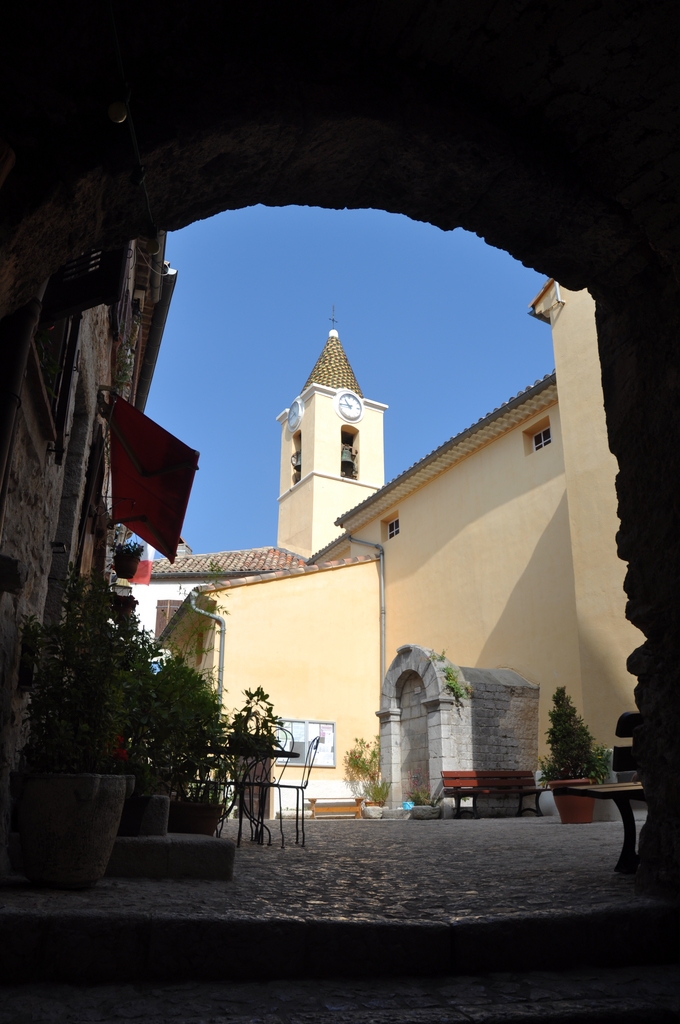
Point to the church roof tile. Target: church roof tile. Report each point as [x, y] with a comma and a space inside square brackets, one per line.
[249, 560]
[333, 369]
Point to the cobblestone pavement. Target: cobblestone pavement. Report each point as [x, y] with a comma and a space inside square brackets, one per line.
[387, 870]
[646, 995]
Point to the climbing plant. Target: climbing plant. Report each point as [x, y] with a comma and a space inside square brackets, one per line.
[453, 684]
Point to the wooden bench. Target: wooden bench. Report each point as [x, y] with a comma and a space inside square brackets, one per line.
[492, 783]
[345, 806]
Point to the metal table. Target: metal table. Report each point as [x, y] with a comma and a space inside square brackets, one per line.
[251, 793]
[621, 793]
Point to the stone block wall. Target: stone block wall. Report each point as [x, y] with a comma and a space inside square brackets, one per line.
[425, 729]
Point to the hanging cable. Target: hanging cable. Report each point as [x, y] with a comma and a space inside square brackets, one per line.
[138, 176]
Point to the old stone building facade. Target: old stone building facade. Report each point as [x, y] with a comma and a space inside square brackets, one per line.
[56, 504]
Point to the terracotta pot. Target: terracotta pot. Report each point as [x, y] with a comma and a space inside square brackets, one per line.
[126, 566]
[67, 827]
[573, 810]
[199, 819]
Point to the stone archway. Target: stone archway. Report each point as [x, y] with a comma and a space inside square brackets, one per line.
[425, 730]
[408, 742]
[529, 125]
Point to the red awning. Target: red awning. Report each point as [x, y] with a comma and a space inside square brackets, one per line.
[151, 477]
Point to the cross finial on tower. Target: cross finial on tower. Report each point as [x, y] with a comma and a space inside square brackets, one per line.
[332, 318]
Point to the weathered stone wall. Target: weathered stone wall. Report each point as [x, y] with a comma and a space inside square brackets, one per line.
[425, 730]
[43, 513]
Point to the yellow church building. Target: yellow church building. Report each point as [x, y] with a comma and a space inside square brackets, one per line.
[497, 548]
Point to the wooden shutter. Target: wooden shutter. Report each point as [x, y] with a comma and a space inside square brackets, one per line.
[164, 612]
[93, 279]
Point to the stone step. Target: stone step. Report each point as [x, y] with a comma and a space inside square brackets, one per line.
[90, 946]
[622, 996]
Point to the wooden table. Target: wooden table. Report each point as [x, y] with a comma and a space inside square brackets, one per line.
[621, 793]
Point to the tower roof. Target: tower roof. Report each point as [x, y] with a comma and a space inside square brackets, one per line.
[332, 367]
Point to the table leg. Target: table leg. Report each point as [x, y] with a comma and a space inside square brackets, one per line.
[629, 860]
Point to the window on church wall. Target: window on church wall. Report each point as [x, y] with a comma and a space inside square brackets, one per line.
[296, 457]
[349, 453]
[389, 527]
[538, 436]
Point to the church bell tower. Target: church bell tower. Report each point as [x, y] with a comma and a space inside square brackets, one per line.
[331, 452]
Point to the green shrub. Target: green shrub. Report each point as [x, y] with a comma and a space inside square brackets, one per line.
[362, 761]
[377, 792]
[76, 709]
[574, 754]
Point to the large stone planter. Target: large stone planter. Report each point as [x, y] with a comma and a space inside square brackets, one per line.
[67, 827]
[145, 816]
[370, 811]
[425, 813]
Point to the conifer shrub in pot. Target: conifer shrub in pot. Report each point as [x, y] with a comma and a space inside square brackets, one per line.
[74, 788]
[575, 759]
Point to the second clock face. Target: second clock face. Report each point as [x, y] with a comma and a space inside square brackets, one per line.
[349, 406]
[295, 414]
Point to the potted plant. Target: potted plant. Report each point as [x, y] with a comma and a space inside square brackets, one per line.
[73, 791]
[177, 735]
[376, 793]
[425, 806]
[575, 759]
[362, 774]
[124, 605]
[126, 559]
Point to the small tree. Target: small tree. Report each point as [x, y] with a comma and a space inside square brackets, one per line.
[574, 754]
[362, 761]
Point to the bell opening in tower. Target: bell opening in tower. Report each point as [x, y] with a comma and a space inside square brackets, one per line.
[349, 453]
[296, 457]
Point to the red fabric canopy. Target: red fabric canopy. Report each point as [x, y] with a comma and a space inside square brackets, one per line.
[151, 477]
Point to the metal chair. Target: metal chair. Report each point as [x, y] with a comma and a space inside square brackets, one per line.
[299, 788]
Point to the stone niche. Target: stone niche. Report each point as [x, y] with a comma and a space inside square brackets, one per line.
[425, 730]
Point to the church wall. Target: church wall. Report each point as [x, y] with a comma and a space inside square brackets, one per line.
[313, 642]
[605, 636]
[482, 565]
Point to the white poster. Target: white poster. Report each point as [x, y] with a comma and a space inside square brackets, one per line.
[325, 755]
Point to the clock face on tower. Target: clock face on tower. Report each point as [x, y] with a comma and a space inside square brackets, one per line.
[349, 406]
[295, 414]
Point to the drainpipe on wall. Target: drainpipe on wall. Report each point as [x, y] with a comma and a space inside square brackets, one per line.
[223, 636]
[153, 341]
[380, 548]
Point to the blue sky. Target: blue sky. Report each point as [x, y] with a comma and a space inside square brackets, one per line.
[434, 324]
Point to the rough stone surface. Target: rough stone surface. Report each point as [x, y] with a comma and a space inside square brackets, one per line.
[425, 730]
[363, 898]
[172, 856]
[644, 995]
